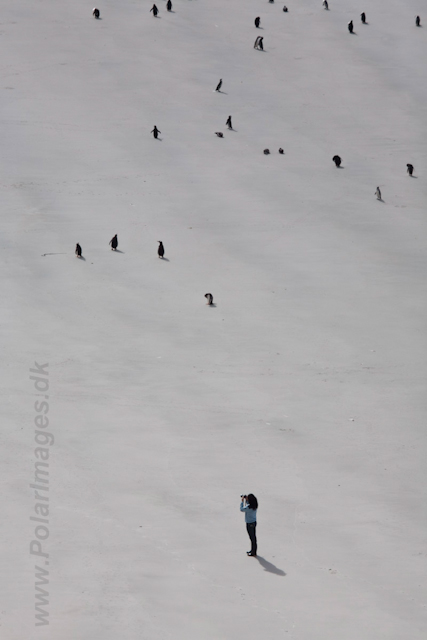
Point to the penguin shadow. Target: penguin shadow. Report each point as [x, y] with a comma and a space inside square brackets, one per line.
[224, 92]
[380, 200]
[270, 567]
[416, 177]
[233, 129]
[118, 251]
[211, 305]
[82, 258]
[165, 259]
[340, 167]
[159, 139]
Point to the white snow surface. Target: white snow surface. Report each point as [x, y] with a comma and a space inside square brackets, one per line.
[304, 384]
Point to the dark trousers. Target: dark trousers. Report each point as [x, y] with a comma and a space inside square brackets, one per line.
[251, 529]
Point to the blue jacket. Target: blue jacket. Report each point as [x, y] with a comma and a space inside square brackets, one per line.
[250, 514]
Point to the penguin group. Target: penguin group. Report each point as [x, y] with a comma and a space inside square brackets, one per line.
[259, 46]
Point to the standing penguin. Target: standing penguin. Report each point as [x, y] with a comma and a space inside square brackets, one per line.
[155, 132]
[155, 10]
[114, 243]
[219, 85]
[228, 122]
[325, 4]
[95, 13]
[337, 161]
[261, 44]
[285, 9]
[257, 22]
[161, 249]
[78, 251]
[418, 21]
[410, 169]
[363, 17]
[350, 26]
[209, 298]
[169, 5]
[378, 193]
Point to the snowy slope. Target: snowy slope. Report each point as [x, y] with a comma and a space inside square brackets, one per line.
[305, 384]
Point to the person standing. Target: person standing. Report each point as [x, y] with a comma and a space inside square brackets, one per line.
[249, 506]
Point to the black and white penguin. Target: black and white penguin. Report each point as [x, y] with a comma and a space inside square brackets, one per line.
[257, 22]
[325, 4]
[228, 122]
[161, 249]
[114, 243]
[155, 132]
[285, 9]
[363, 17]
[266, 152]
[78, 251]
[410, 169]
[155, 10]
[281, 151]
[219, 85]
[209, 298]
[350, 26]
[418, 21]
[219, 134]
[378, 193]
[337, 161]
[261, 44]
[96, 13]
[169, 5]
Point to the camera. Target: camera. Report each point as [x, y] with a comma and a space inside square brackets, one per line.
[244, 497]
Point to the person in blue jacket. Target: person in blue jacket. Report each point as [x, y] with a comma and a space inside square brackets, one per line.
[249, 506]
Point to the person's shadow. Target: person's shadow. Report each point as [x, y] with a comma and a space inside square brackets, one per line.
[268, 566]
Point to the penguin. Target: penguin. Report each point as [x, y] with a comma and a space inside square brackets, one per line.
[285, 9]
[337, 161]
[266, 152]
[363, 17]
[155, 10]
[410, 169]
[114, 243]
[219, 134]
[281, 151]
[209, 298]
[418, 21]
[219, 85]
[96, 13]
[350, 26]
[256, 42]
[378, 193]
[261, 44]
[78, 251]
[169, 5]
[325, 4]
[257, 22]
[155, 132]
[271, 1]
[228, 122]
[161, 249]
